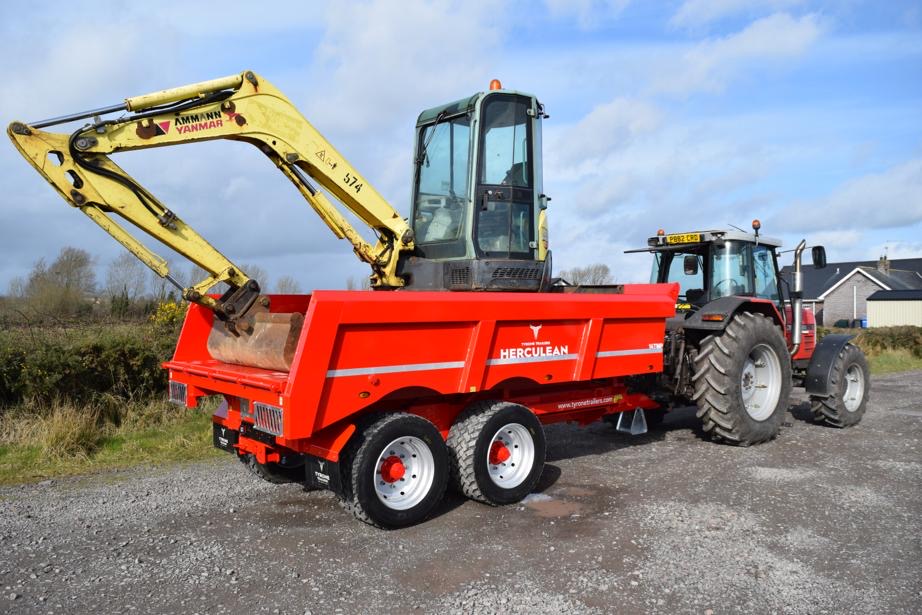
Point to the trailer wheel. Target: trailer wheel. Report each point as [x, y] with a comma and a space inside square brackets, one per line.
[497, 452]
[395, 471]
[851, 381]
[274, 473]
[743, 381]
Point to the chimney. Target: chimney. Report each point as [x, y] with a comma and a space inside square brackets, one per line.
[883, 265]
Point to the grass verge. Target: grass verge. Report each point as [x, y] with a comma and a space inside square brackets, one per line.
[64, 440]
[893, 361]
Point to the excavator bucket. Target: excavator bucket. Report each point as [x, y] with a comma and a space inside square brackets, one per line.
[270, 343]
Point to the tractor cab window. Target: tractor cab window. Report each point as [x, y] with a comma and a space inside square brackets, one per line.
[763, 258]
[442, 193]
[731, 269]
[686, 268]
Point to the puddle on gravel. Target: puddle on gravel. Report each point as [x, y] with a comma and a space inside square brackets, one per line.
[548, 507]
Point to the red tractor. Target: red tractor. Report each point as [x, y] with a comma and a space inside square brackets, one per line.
[741, 338]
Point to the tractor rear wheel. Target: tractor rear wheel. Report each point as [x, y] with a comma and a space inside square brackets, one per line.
[851, 385]
[395, 471]
[743, 381]
[497, 452]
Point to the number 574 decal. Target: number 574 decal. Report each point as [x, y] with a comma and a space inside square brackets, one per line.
[353, 182]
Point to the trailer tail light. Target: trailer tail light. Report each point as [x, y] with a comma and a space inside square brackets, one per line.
[267, 418]
[178, 393]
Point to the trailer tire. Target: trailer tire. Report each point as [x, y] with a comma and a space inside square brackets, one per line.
[477, 445]
[850, 380]
[742, 381]
[397, 450]
[272, 472]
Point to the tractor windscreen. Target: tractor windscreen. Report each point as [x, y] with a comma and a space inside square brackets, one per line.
[686, 268]
[731, 269]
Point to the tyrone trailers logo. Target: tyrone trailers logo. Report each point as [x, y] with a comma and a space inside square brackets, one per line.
[192, 122]
[534, 348]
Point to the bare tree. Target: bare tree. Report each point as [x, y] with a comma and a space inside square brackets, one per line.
[256, 273]
[287, 285]
[160, 288]
[126, 276]
[62, 287]
[597, 273]
[362, 283]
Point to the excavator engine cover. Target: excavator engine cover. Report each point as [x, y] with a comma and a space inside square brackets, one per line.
[269, 343]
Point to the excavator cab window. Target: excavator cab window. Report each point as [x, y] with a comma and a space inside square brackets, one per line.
[442, 196]
[504, 221]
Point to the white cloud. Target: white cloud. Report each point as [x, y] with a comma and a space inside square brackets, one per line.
[589, 14]
[608, 127]
[889, 199]
[696, 13]
[710, 65]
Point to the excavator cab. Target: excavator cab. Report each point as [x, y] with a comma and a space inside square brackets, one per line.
[478, 208]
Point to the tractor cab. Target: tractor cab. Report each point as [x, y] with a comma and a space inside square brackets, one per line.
[478, 209]
[712, 264]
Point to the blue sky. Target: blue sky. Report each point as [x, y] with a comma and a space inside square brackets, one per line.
[681, 115]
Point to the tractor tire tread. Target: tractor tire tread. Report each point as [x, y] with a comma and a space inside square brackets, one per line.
[716, 366]
[829, 410]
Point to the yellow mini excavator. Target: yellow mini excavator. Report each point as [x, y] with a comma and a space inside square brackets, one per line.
[478, 211]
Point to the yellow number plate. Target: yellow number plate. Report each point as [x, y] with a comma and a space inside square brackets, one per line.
[684, 238]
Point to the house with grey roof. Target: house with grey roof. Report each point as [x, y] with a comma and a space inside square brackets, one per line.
[838, 293]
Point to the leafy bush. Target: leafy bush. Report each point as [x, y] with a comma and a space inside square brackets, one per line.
[881, 339]
[84, 364]
[168, 314]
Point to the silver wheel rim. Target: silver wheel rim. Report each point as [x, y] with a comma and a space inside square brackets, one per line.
[760, 382]
[418, 472]
[854, 388]
[509, 472]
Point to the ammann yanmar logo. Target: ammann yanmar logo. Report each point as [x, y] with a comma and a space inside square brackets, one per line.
[534, 347]
[192, 122]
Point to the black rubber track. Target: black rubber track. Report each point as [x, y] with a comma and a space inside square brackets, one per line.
[717, 380]
[831, 410]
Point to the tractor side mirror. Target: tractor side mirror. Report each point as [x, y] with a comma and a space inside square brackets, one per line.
[819, 257]
[691, 264]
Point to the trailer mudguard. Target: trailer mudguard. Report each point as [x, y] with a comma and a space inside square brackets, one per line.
[819, 371]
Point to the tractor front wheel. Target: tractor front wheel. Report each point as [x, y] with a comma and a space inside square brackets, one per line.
[743, 381]
[851, 385]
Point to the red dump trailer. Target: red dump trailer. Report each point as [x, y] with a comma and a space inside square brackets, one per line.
[392, 395]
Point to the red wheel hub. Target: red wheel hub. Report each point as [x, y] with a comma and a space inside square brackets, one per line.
[499, 453]
[392, 469]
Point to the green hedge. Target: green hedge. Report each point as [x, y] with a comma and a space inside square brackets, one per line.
[882, 339]
[892, 338]
[80, 364]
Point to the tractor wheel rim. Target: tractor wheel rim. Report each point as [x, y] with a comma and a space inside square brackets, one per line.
[854, 388]
[510, 456]
[404, 473]
[760, 382]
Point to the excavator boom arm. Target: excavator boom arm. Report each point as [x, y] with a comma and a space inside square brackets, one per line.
[240, 107]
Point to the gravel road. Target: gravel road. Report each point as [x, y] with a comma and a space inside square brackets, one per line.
[819, 520]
